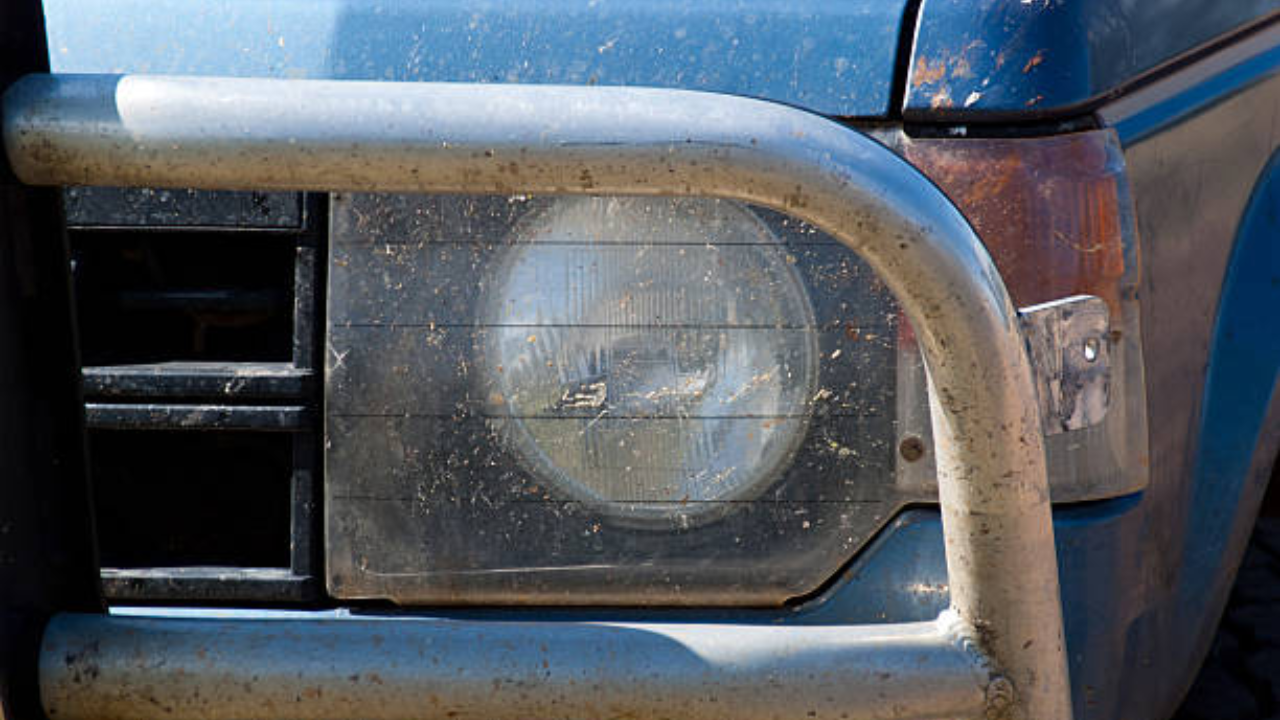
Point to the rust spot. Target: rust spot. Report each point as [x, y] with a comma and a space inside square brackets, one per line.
[1034, 100]
[941, 99]
[924, 74]
[1034, 61]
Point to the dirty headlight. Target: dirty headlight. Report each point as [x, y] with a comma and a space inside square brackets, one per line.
[638, 344]
[600, 401]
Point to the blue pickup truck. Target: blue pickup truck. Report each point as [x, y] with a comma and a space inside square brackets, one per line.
[568, 359]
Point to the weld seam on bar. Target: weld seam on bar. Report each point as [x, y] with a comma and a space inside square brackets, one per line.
[229, 133]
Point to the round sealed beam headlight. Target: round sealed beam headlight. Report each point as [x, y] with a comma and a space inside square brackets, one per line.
[653, 356]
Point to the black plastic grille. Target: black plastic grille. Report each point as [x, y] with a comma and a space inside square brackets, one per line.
[198, 314]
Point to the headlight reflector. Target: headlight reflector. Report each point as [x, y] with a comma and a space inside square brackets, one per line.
[650, 354]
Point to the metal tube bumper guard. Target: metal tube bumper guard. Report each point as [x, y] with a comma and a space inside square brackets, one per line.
[998, 652]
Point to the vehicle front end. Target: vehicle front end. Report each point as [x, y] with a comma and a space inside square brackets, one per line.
[536, 360]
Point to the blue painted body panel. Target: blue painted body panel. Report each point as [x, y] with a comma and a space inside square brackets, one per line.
[902, 577]
[1164, 114]
[994, 59]
[1207, 519]
[1244, 365]
[836, 58]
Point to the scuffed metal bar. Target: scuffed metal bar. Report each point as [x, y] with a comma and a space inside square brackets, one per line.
[271, 134]
[114, 668]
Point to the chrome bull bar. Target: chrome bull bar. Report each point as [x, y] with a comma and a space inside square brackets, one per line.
[998, 652]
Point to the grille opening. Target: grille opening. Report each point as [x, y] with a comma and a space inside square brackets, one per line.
[196, 315]
[184, 498]
[159, 296]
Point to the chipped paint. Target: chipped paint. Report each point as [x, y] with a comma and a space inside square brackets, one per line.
[924, 74]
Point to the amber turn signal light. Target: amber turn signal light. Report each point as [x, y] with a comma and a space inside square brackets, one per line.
[1053, 211]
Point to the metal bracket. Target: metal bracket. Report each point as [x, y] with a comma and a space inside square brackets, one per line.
[1069, 345]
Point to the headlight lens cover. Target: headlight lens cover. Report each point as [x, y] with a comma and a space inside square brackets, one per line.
[613, 400]
[637, 343]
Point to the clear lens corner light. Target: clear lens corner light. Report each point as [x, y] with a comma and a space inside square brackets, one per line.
[651, 356]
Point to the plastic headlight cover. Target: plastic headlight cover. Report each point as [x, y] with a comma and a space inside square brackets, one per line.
[599, 401]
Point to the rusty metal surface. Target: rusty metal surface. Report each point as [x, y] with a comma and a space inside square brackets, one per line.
[225, 133]
[111, 668]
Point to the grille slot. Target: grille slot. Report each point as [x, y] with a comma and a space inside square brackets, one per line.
[197, 313]
[151, 295]
[177, 380]
[225, 507]
[129, 416]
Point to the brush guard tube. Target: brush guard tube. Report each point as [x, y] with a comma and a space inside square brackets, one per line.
[1002, 638]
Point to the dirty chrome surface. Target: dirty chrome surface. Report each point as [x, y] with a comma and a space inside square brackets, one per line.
[233, 134]
[393, 669]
